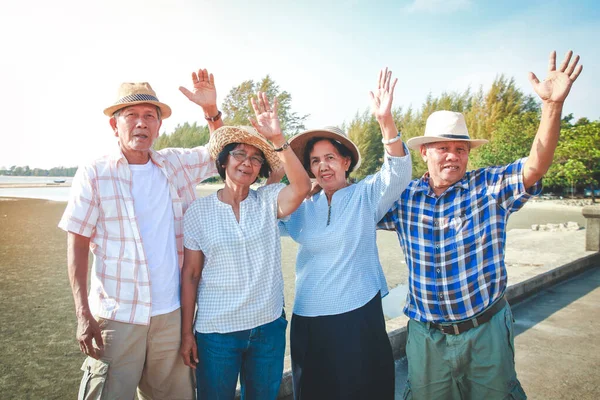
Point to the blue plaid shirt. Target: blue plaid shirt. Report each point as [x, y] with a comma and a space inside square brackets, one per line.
[454, 243]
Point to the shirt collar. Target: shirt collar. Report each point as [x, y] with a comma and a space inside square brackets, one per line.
[423, 184]
[118, 156]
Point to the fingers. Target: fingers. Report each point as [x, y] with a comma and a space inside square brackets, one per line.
[575, 74]
[571, 67]
[393, 85]
[195, 355]
[387, 81]
[254, 123]
[566, 60]
[186, 92]
[87, 347]
[275, 105]
[552, 61]
[185, 355]
[98, 338]
[533, 79]
[255, 106]
[211, 79]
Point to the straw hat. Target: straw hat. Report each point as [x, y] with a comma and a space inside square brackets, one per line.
[298, 143]
[242, 134]
[444, 126]
[130, 94]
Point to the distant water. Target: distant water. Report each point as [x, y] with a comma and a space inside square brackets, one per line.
[32, 179]
[43, 192]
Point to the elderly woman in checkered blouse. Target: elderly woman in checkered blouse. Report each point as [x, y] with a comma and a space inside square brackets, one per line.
[232, 262]
[339, 345]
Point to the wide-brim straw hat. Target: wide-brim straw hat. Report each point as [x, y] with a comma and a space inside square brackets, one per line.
[298, 143]
[242, 134]
[444, 126]
[130, 94]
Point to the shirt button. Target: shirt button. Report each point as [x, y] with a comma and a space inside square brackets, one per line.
[437, 246]
[439, 270]
[441, 296]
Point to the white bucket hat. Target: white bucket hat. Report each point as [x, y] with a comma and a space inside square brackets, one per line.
[444, 126]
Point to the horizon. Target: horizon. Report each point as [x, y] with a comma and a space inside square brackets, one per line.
[66, 59]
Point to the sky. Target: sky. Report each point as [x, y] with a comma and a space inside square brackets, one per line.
[61, 62]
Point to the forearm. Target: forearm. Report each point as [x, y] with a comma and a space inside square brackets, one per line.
[210, 112]
[189, 288]
[77, 269]
[299, 180]
[544, 144]
[388, 132]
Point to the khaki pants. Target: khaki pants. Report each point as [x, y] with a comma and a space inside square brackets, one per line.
[142, 358]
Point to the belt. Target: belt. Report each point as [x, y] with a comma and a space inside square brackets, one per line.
[460, 327]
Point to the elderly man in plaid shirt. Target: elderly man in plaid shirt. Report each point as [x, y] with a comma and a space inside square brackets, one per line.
[452, 228]
[127, 209]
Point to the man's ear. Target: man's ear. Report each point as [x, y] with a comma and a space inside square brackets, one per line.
[113, 125]
[423, 150]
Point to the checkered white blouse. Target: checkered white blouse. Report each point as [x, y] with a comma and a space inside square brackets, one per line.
[242, 284]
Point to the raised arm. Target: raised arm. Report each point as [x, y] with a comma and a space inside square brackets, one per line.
[88, 329]
[381, 106]
[552, 91]
[204, 94]
[267, 124]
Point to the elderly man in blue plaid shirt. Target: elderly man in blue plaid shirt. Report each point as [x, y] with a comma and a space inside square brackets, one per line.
[452, 227]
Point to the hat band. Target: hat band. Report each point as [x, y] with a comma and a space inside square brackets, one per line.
[136, 97]
[452, 136]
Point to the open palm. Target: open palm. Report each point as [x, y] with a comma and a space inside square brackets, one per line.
[204, 92]
[266, 122]
[382, 98]
[555, 88]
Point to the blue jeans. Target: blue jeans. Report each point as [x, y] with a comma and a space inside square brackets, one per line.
[255, 354]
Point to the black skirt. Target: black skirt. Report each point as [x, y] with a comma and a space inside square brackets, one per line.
[344, 356]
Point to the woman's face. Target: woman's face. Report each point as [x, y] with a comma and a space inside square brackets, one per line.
[243, 164]
[328, 166]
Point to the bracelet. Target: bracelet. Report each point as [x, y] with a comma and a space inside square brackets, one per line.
[391, 141]
[215, 118]
[283, 147]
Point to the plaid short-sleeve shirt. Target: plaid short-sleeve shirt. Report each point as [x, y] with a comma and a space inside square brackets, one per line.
[454, 243]
[101, 207]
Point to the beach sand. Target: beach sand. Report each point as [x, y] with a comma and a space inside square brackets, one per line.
[40, 357]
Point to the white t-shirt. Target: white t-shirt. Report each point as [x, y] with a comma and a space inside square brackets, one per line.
[154, 213]
[242, 284]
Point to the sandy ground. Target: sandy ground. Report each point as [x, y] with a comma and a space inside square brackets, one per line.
[37, 322]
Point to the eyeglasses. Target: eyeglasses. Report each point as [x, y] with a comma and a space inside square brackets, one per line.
[241, 156]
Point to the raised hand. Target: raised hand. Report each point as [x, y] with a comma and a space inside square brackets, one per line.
[266, 122]
[204, 93]
[381, 99]
[555, 88]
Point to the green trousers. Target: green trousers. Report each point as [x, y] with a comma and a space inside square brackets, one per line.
[476, 364]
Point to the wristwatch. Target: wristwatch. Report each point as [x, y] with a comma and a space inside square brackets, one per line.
[283, 147]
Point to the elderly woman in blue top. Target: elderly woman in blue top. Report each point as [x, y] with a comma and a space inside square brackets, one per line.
[339, 345]
[232, 263]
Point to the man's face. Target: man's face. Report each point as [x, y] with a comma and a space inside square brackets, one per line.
[446, 163]
[136, 127]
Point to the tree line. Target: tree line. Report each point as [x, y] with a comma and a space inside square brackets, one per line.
[26, 171]
[503, 114]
